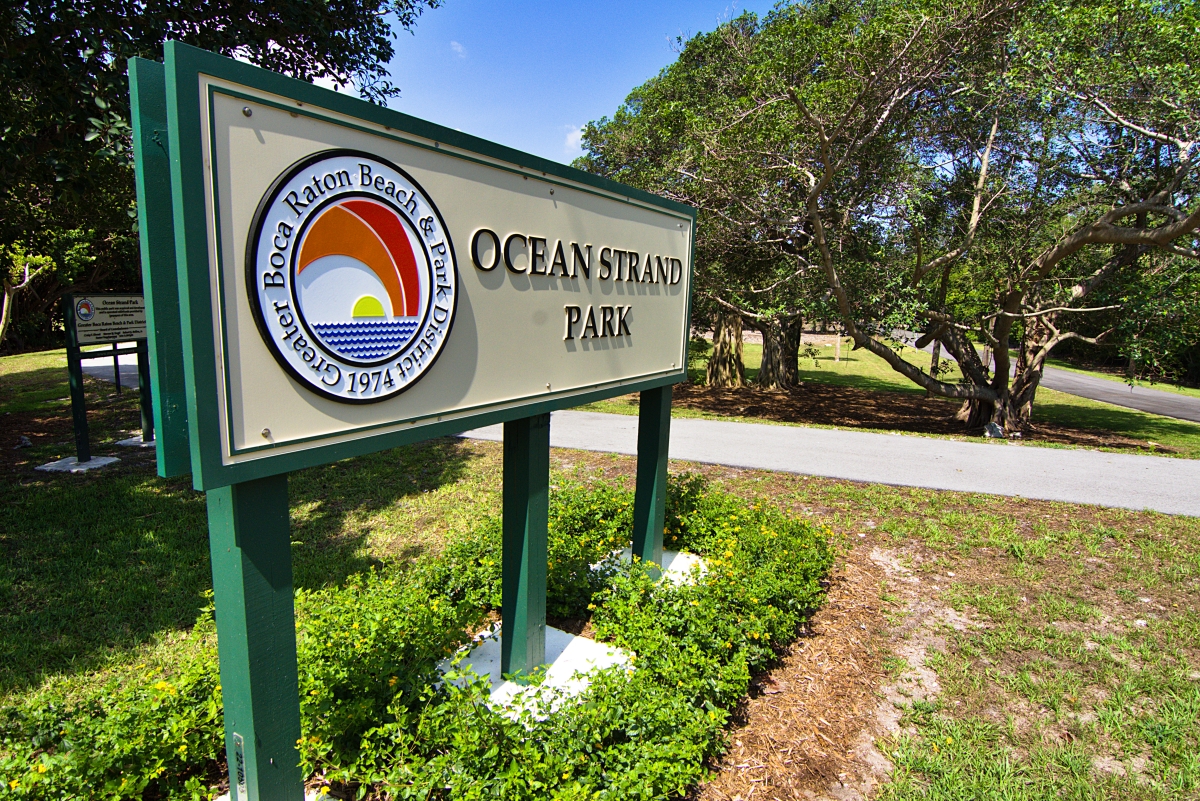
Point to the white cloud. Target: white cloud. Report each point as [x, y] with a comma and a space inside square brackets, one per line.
[571, 145]
[458, 49]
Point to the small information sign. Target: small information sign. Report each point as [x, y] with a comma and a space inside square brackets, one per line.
[101, 319]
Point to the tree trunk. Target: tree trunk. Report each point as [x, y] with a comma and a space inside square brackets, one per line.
[725, 367]
[781, 346]
[976, 413]
[7, 313]
[793, 329]
[933, 364]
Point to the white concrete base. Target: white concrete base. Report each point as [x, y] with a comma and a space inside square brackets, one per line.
[570, 660]
[677, 566]
[136, 442]
[72, 464]
[309, 795]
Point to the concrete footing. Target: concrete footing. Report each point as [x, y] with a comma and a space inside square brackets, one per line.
[72, 464]
[677, 566]
[136, 442]
[570, 660]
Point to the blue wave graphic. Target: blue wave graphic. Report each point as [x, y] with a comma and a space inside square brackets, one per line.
[366, 340]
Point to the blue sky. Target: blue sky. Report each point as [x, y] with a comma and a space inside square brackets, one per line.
[530, 73]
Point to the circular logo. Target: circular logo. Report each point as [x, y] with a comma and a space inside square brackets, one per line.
[352, 276]
[85, 310]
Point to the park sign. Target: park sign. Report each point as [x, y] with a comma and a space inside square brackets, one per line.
[350, 278]
[325, 278]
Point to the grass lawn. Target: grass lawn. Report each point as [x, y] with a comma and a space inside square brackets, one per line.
[864, 370]
[993, 647]
[34, 382]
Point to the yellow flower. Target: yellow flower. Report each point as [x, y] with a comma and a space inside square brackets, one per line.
[182, 749]
[356, 625]
[754, 634]
[14, 784]
[566, 774]
[41, 768]
[591, 606]
[324, 791]
[949, 741]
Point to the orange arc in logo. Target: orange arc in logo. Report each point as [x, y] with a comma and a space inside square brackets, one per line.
[372, 234]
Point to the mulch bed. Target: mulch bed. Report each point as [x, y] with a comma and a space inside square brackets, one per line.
[851, 407]
[803, 731]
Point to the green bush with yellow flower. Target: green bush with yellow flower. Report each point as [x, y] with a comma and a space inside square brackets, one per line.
[378, 718]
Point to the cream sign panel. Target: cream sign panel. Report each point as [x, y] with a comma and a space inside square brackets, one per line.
[365, 280]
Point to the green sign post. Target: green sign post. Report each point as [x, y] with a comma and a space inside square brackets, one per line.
[327, 278]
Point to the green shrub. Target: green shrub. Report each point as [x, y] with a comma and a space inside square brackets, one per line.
[157, 734]
[377, 717]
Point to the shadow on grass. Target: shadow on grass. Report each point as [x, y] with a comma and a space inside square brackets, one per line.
[819, 376]
[31, 390]
[93, 565]
[1113, 418]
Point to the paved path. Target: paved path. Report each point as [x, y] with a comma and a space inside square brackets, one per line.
[1155, 401]
[101, 367]
[1000, 468]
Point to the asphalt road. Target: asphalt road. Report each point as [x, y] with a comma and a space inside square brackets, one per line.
[1155, 401]
[101, 367]
[999, 468]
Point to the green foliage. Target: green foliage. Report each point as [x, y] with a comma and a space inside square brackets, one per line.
[836, 150]
[157, 733]
[65, 162]
[376, 714]
[762, 579]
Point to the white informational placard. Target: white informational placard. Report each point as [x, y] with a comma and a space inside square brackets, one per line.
[365, 280]
[101, 319]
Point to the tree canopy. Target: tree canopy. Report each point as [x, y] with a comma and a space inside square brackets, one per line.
[1009, 173]
[67, 216]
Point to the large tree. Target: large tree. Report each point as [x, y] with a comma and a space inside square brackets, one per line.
[659, 140]
[66, 183]
[995, 172]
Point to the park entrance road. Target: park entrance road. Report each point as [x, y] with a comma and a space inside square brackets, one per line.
[1155, 401]
[999, 468]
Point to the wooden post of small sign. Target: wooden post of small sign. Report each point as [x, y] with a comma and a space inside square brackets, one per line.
[252, 585]
[83, 451]
[649, 504]
[526, 512]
